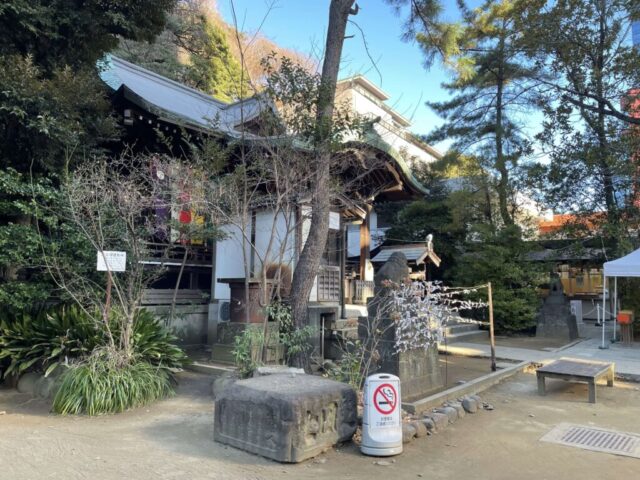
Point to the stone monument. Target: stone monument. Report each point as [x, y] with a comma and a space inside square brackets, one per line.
[555, 319]
[418, 370]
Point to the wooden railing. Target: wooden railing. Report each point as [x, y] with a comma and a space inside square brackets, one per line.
[358, 291]
[156, 296]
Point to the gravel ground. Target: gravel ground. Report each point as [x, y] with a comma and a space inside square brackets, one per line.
[173, 440]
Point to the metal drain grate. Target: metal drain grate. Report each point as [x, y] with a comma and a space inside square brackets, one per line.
[596, 439]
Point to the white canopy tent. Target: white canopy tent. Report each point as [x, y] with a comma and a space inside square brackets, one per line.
[627, 266]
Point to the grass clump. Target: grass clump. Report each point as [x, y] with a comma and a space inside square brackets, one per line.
[108, 383]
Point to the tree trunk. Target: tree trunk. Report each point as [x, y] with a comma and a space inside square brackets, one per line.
[309, 261]
[501, 164]
[604, 150]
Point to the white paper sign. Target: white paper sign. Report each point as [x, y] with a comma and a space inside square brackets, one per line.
[334, 221]
[112, 261]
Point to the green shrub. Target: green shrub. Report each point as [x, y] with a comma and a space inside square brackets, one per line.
[155, 344]
[101, 385]
[499, 257]
[295, 340]
[46, 339]
[350, 367]
[247, 351]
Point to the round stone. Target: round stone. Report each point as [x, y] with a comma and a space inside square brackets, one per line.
[440, 420]
[470, 405]
[450, 412]
[429, 423]
[408, 432]
[47, 387]
[421, 428]
[28, 383]
[459, 408]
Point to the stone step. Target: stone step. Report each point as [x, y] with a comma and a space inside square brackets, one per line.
[468, 336]
[461, 327]
[343, 323]
[223, 353]
[217, 369]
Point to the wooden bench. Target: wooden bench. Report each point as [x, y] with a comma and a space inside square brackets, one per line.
[576, 371]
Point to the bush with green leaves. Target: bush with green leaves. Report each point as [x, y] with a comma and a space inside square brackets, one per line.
[247, 351]
[499, 257]
[352, 366]
[154, 343]
[295, 340]
[102, 384]
[46, 339]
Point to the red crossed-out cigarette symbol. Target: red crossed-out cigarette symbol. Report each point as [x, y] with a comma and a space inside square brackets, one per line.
[385, 398]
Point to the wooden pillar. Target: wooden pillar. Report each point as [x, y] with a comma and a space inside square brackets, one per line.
[365, 243]
[343, 264]
[252, 245]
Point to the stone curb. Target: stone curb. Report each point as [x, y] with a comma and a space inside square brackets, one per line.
[439, 418]
[472, 387]
[209, 369]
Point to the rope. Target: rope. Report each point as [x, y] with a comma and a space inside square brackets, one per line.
[469, 320]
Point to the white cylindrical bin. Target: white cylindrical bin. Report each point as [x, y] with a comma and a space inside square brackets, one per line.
[382, 422]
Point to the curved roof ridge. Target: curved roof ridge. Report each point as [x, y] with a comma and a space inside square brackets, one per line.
[162, 79]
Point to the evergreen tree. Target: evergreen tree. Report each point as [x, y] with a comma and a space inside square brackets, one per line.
[193, 50]
[590, 103]
[76, 33]
[54, 111]
[498, 256]
[490, 90]
[459, 198]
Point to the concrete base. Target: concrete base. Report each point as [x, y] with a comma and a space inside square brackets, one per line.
[473, 387]
[381, 452]
[288, 418]
[190, 323]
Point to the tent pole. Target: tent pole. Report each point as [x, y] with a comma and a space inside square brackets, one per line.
[604, 317]
[615, 308]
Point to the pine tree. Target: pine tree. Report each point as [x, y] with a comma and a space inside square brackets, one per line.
[490, 90]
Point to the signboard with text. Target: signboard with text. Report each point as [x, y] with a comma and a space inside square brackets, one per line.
[112, 261]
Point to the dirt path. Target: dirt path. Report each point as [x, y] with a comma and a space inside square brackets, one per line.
[173, 440]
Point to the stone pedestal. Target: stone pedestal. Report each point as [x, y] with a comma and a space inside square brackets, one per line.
[418, 370]
[555, 319]
[288, 417]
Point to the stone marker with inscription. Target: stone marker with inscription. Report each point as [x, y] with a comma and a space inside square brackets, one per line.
[418, 370]
[285, 417]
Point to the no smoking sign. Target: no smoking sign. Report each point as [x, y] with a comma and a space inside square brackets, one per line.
[381, 422]
[385, 399]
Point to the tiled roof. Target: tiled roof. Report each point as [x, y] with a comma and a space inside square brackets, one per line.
[175, 102]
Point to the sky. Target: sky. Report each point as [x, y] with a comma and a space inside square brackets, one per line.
[397, 65]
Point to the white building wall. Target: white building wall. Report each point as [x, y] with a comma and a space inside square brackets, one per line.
[390, 130]
[230, 262]
[275, 240]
